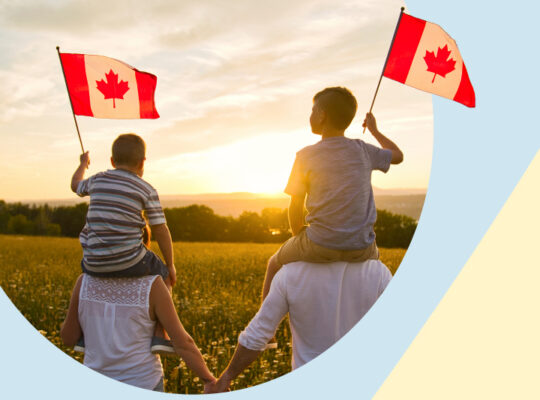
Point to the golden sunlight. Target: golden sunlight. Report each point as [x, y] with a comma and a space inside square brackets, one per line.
[258, 165]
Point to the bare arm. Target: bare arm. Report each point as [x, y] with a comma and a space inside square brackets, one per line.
[242, 358]
[163, 237]
[296, 214]
[70, 331]
[261, 328]
[162, 307]
[371, 124]
[78, 175]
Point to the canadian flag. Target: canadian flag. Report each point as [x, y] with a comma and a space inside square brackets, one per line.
[425, 57]
[103, 87]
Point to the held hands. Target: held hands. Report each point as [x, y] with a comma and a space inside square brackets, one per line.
[221, 385]
[209, 386]
[370, 123]
[85, 159]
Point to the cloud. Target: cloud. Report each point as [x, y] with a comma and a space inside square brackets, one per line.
[258, 72]
[228, 123]
[83, 17]
[24, 97]
[227, 72]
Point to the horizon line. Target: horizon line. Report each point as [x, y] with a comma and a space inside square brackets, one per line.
[420, 190]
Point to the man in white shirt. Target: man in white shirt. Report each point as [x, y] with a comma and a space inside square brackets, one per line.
[324, 301]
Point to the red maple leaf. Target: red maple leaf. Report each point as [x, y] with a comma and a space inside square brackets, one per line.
[440, 65]
[112, 89]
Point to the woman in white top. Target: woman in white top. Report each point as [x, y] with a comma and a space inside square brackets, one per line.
[118, 317]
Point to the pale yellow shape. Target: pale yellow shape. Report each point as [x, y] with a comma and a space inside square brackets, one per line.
[433, 38]
[128, 107]
[483, 340]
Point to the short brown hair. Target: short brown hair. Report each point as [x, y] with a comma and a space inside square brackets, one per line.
[339, 104]
[128, 149]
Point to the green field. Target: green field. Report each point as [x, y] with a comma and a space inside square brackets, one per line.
[217, 294]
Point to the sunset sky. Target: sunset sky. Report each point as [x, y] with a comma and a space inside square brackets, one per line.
[235, 86]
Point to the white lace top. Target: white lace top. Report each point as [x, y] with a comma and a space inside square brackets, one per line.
[114, 317]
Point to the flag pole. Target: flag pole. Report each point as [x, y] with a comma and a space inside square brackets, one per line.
[70, 102]
[386, 61]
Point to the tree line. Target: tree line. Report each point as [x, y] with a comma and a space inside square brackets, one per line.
[194, 223]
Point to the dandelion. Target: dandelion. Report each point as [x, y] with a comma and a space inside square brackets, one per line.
[213, 311]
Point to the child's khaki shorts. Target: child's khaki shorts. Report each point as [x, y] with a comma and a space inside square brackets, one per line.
[300, 248]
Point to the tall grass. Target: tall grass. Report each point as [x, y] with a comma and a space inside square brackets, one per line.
[216, 295]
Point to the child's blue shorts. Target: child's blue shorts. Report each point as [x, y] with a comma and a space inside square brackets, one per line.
[150, 264]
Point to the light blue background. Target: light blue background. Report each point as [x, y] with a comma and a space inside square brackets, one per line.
[479, 156]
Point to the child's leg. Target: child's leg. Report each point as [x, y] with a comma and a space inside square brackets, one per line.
[161, 342]
[290, 251]
[271, 269]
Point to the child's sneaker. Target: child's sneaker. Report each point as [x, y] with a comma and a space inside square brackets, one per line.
[161, 346]
[80, 345]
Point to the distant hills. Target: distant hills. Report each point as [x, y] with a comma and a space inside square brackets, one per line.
[398, 201]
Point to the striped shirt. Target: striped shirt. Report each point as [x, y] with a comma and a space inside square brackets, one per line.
[112, 236]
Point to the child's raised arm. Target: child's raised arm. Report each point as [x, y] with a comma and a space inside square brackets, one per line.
[78, 175]
[371, 124]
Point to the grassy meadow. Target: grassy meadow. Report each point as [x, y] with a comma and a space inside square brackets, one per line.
[216, 295]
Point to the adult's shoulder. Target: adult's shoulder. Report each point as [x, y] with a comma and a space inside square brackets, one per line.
[159, 294]
[295, 272]
[158, 284]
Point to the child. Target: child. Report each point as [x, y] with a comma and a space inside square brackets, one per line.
[335, 175]
[112, 238]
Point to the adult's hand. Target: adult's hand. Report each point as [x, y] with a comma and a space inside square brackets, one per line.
[209, 386]
[221, 385]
